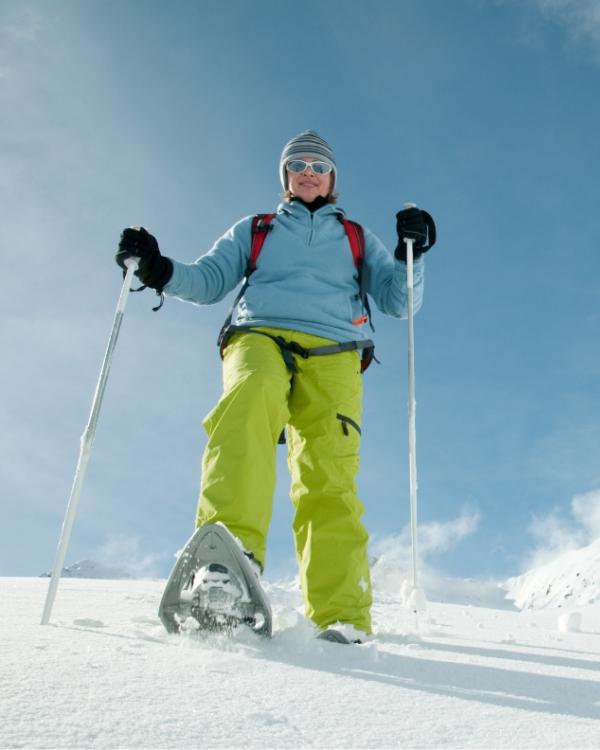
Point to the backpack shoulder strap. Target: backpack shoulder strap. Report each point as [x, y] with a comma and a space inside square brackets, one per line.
[261, 226]
[356, 238]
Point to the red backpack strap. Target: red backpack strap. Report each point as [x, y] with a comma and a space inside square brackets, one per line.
[356, 238]
[261, 226]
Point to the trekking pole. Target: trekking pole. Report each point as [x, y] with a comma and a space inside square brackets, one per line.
[416, 600]
[86, 442]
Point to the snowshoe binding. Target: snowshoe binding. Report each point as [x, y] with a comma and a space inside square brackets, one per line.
[214, 587]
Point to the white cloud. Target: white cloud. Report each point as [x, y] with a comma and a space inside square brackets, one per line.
[580, 19]
[393, 554]
[433, 538]
[23, 23]
[437, 537]
[124, 552]
[556, 533]
[586, 509]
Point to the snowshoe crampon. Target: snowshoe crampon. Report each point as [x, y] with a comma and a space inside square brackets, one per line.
[213, 587]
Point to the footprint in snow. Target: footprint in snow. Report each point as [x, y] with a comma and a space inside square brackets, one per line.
[89, 623]
[263, 717]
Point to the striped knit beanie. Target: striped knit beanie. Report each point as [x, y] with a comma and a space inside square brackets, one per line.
[307, 143]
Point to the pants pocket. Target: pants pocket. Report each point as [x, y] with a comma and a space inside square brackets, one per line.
[348, 423]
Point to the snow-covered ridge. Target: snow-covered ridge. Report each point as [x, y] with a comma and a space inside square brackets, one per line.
[572, 579]
[91, 569]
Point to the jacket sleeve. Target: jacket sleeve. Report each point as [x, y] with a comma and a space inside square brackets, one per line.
[386, 278]
[216, 273]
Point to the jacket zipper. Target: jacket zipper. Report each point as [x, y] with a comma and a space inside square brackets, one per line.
[311, 228]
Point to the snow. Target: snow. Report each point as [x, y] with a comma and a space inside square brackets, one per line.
[570, 622]
[572, 578]
[92, 569]
[104, 674]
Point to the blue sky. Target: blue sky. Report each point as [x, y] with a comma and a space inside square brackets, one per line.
[173, 115]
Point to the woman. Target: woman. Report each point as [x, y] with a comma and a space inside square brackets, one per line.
[303, 296]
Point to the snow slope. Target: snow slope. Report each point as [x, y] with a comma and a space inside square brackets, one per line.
[104, 674]
[571, 579]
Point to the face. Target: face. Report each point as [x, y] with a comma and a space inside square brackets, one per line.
[307, 185]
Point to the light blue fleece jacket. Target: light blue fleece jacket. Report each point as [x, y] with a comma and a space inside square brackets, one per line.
[305, 278]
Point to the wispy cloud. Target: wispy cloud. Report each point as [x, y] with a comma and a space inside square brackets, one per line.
[579, 18]
[433, 538]
[438, 537]
[22, 23]
[586, 509]
[125, 552]
[556, 533]
[393, 554]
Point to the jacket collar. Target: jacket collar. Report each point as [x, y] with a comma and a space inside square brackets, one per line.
[298, 210]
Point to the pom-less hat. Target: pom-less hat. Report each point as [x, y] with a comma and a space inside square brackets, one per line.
[307, 143]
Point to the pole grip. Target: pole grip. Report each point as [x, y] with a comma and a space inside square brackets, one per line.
[409, 242]
[132, 265]
[409, 254]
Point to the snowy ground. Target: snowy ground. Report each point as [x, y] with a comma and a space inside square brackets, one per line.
[104, 674]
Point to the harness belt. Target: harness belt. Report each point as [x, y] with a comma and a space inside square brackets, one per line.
[290, 348]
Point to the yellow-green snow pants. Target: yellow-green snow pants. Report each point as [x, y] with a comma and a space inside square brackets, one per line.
[321, 407]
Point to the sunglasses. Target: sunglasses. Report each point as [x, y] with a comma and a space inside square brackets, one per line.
[318, 167]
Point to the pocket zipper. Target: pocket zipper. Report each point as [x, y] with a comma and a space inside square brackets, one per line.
[345, 421]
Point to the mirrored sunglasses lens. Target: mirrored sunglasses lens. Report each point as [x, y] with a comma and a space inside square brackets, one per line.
[296, 165]
[320, 167]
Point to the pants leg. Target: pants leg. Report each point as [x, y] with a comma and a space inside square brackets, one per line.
[324, 441]
[238, 465]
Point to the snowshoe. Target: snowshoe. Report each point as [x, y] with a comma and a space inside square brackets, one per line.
[213, 586]
[216, 593]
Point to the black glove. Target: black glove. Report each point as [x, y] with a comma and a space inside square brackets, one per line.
[413, 223]
[154, 269]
